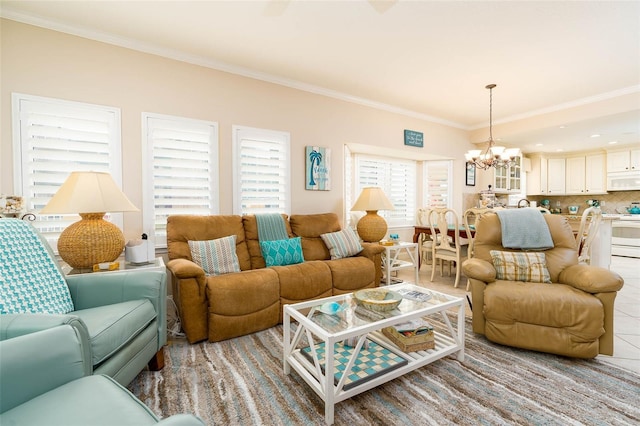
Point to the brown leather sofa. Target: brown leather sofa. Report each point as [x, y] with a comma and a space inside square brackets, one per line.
[571, 316]
[230, 305]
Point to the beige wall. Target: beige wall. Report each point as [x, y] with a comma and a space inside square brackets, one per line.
[42, 62]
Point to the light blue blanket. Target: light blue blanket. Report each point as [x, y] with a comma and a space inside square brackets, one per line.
[524, 229]
[271, 227]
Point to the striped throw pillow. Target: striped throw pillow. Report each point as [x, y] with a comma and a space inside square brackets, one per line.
[216, 257]
[519, 266]
[343, 243]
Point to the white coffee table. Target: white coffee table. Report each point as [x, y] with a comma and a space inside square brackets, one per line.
[304, 323]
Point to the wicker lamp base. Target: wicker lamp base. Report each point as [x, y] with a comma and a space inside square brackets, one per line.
[89, 241]
[371, 227]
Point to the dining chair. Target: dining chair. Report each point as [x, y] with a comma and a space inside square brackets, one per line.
[445, 233]
[469, 217]
[589, 223]
[425, 243]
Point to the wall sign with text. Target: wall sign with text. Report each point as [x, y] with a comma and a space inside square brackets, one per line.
[318, 176]
[413, 138]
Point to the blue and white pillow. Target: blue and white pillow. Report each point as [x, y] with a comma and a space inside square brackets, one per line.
[30, 281]
[282, 252]
[343, 243]
[216, 257]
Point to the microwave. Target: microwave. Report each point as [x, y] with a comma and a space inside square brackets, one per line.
[623, 181]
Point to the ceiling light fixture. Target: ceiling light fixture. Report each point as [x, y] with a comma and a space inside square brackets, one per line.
[493, 156]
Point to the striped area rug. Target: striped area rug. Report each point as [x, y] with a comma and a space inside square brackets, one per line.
[241, 382]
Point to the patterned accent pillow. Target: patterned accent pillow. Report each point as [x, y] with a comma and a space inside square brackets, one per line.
[343, 243]
[216, 257]
[30, 281]
[518, 266]
[282, 252]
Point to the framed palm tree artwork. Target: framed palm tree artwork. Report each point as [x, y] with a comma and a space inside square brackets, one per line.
[318, 176]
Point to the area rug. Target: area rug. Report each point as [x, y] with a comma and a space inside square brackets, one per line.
[241, 382]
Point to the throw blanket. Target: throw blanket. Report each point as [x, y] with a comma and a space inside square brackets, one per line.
[524, 229]
[271, 227]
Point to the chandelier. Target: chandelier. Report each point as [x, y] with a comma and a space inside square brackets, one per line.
[493, 156]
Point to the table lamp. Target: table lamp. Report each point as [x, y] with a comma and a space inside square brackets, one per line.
[372, 227]
[92, 239]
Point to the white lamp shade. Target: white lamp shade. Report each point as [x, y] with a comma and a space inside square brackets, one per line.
[372, 198]
[88, 192]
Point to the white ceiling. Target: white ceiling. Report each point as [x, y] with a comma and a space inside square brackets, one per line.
[427, 59]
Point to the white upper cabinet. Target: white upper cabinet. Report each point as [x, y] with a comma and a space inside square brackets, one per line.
[585, 174]
[508, 179]
[595, 176]
[556, 176]
[623, 161]
[575, 177]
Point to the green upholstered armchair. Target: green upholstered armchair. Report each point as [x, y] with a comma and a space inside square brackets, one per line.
[45, 379]
[120, 317]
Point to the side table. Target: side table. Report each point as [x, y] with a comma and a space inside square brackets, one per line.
[390, 261]
[156, 265]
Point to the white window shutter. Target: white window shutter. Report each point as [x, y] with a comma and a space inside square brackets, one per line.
[53, 138]
[437, 188]
[262, 172]
[180, 160]
[397, 178]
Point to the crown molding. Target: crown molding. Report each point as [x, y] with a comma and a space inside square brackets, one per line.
[567, 105]
[216, 65]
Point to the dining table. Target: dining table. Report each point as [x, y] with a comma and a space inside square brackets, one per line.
[421, 229]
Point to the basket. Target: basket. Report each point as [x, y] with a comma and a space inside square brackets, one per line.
[417, 342]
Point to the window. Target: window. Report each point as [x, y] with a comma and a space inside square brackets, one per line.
[437, 188]
[397, 178]
[54, 137]
[261, 177]
[181, 171]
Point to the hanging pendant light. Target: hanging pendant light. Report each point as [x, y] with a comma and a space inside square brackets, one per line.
[493, 155]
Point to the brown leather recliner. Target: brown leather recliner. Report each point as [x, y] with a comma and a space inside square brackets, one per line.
[571, 316]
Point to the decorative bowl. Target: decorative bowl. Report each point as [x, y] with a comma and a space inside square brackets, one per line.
[378, 300]
[332, 308]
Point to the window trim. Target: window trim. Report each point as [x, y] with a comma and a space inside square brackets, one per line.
[410, 213]
[148, 205]
[20, 164]
[257, 133]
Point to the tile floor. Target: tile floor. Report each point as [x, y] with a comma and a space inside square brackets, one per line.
[626, 352]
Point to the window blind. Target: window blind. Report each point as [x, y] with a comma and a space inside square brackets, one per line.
[54, 137]
[437, 189]
[181, 164]
[397, 178]
[261, 171]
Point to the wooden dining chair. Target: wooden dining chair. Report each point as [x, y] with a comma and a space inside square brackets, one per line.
[425, 243]
[446, 242]
[469, 217]
[589, 223]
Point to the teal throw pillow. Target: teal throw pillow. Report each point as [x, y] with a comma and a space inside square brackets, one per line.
[282, 252]
[343, 243]
[30, 281]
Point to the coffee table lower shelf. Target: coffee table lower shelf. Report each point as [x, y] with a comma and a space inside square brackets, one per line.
[304, 366]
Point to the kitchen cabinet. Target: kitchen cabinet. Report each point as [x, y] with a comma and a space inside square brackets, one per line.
[585, 174]
[595, 176]
[508, 179]
[623, 161]
[556, 172]
[575, 175]
[537, 176]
